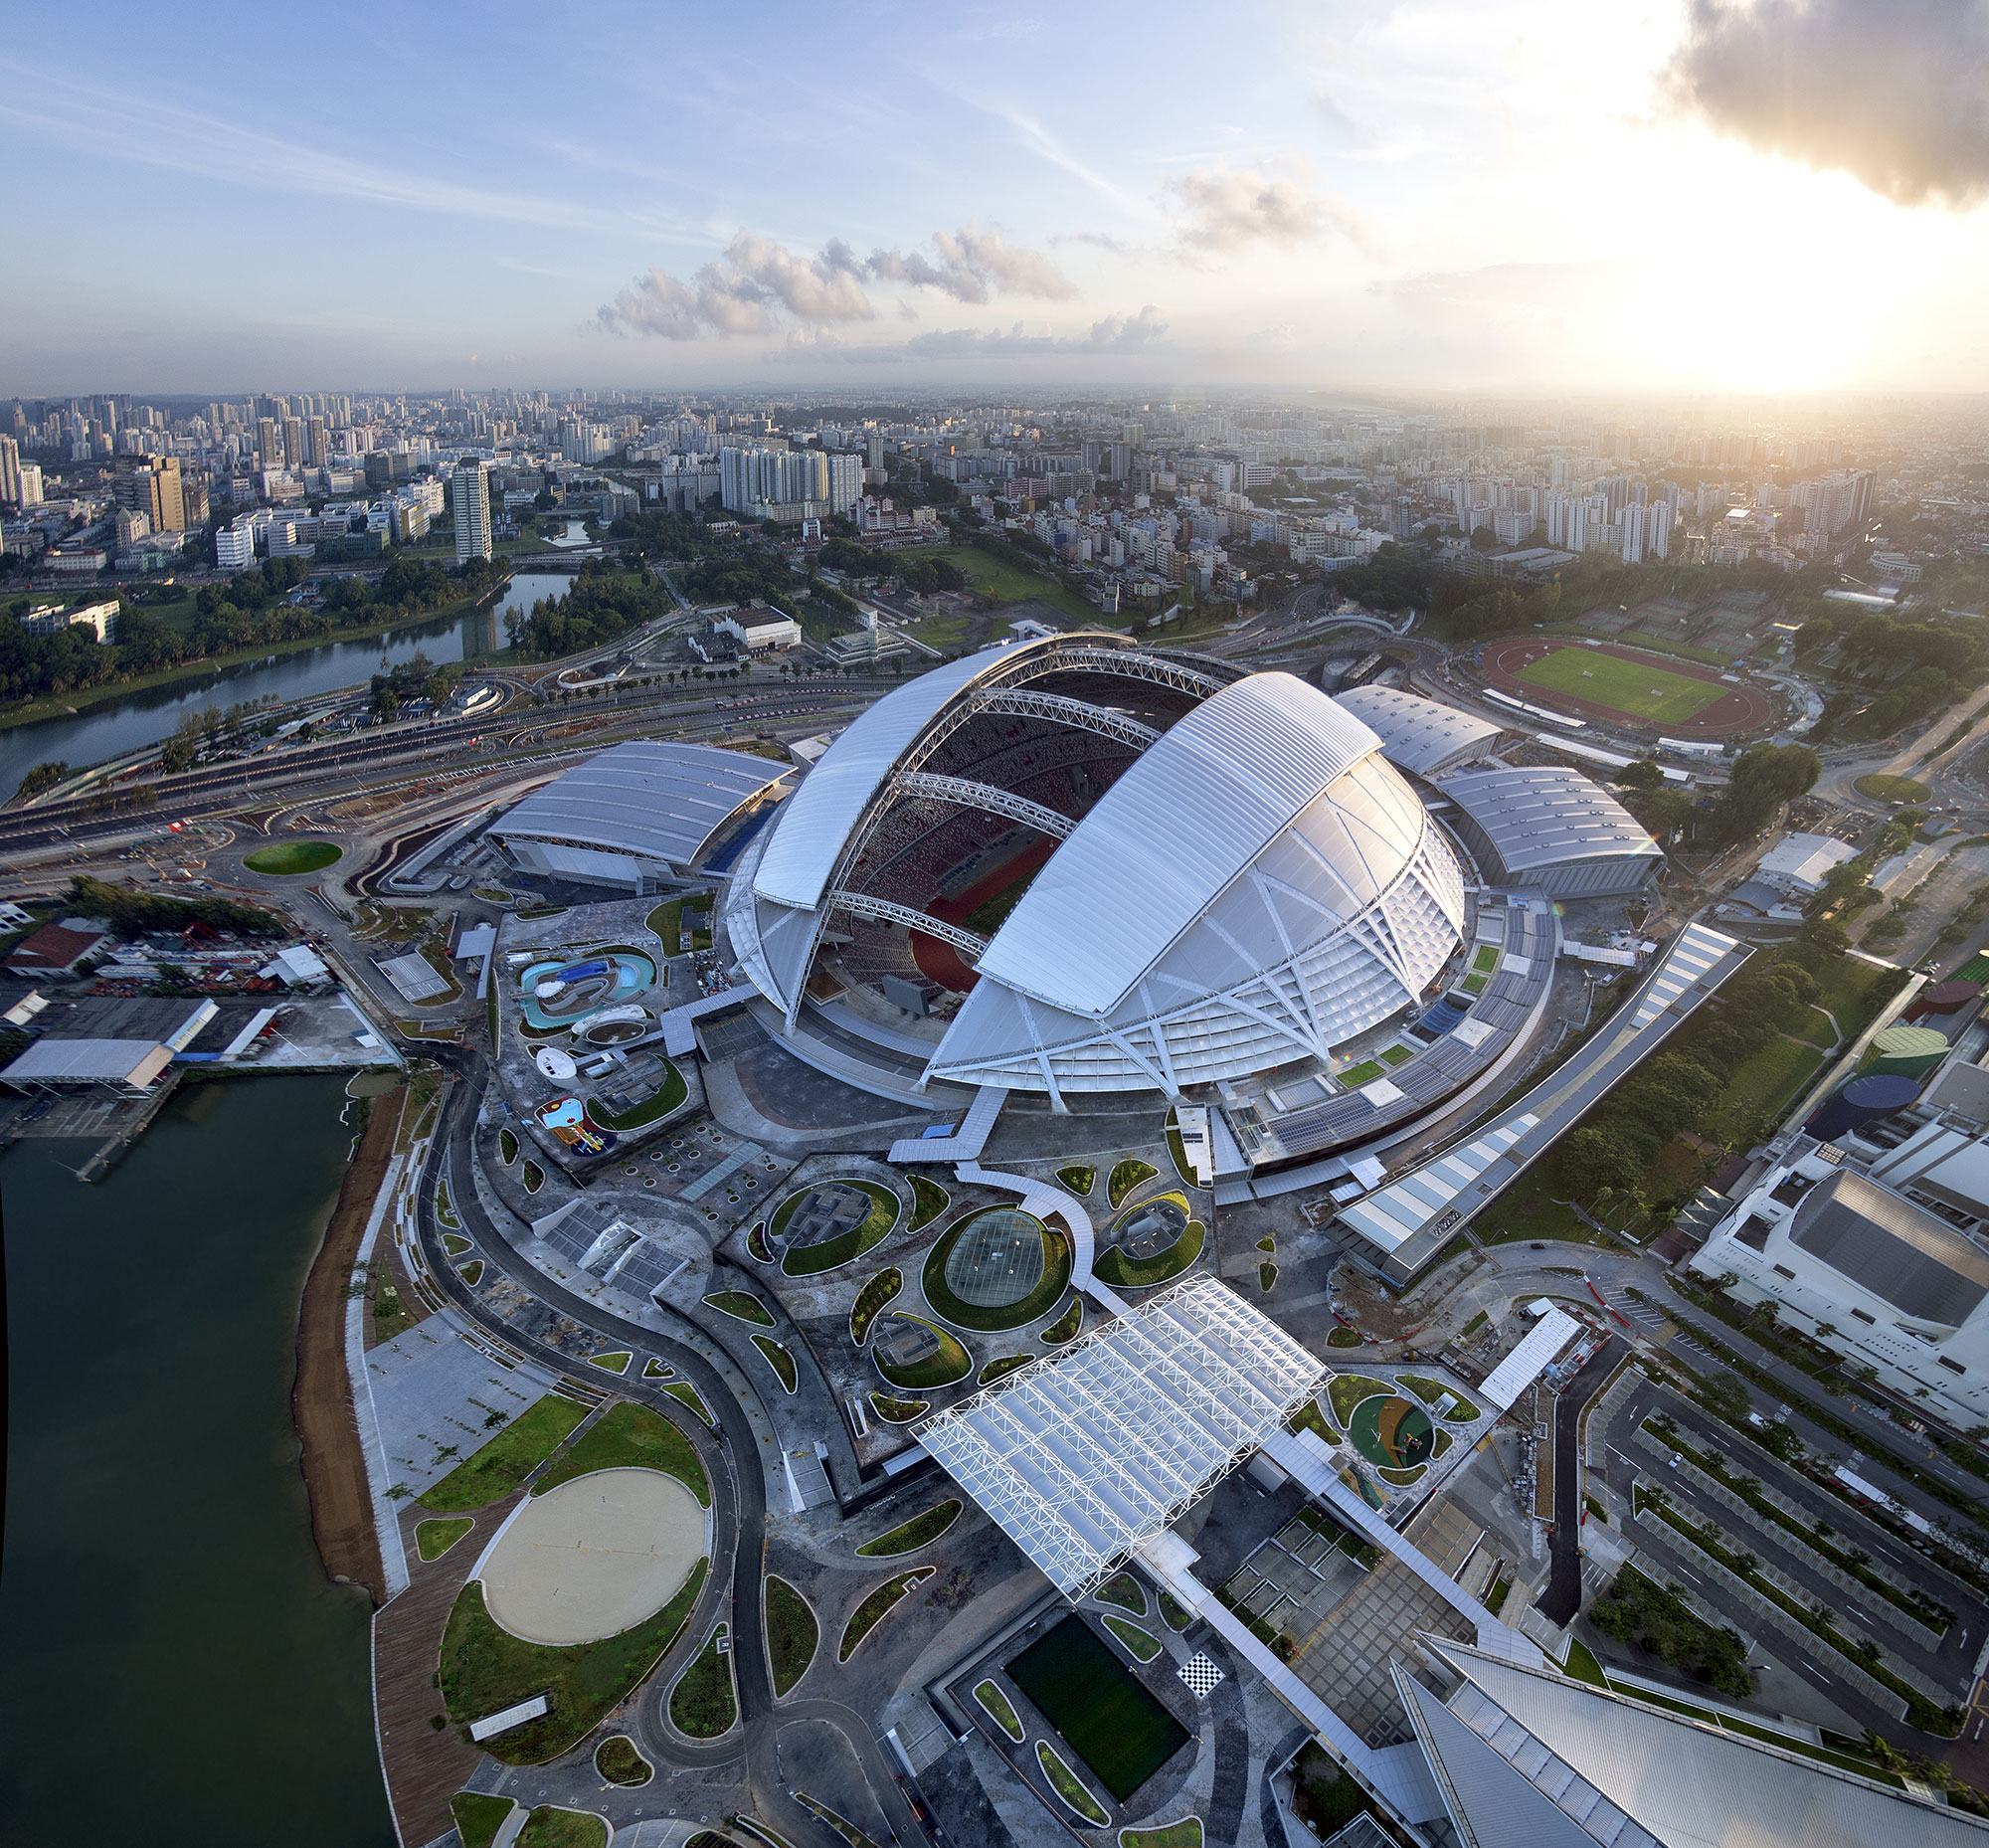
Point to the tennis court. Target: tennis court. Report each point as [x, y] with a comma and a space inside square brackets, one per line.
[1108, 1718]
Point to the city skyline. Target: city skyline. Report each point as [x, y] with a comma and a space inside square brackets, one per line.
[1528, 198]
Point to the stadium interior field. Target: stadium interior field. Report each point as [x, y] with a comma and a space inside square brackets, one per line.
[1633, 686]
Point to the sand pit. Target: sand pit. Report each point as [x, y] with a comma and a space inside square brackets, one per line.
[593, 1556]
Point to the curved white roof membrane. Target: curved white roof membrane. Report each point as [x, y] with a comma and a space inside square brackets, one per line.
[1174, 830]
[819, 817]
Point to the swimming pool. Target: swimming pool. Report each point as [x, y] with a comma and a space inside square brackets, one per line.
[587, 987]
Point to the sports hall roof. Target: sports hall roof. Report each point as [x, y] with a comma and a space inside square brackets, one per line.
[1104, 1443]
[662, 801]
[1548, 817]
[1418, 734]
[1919, 1264]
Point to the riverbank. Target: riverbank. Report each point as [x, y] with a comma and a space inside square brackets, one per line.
[64, 705]
[333, 1458]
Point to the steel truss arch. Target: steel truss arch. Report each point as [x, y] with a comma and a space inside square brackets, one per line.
[985, 796]
[885, 911]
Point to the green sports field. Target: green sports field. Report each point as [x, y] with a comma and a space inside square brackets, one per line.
[1112, 1723]
[1636, 688]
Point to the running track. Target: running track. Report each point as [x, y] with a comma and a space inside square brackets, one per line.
[1738, 709]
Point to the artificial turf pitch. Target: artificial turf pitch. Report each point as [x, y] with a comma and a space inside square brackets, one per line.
[1111, 1722]
[1631, 687]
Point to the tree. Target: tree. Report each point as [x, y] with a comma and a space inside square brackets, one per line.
[1665, 812]
[42, 777]
[1595, 1160]
[1762, 780]
[1644, 773]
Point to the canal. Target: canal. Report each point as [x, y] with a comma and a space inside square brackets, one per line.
[120, 725]
[178, 1668]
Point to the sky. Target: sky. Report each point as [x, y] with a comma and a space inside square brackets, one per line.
[1479, 196]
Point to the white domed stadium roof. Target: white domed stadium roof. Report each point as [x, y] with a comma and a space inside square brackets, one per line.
[1257, 886]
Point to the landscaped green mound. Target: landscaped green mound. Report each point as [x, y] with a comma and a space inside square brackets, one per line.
[951, 1364]
[282, 858]
[793, 1634]
[1882, 787]
[507, 1459]
[632, 1437]
[702, 1704]
[813, 1259]
[485, 1669]
[1054, 1257]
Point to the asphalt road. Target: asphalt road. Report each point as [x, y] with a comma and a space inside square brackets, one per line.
[738, 1517]
[1563, 1597]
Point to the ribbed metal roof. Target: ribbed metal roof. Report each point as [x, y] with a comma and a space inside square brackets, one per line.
[819, 817]
[1171, 834]
[1548, 817]
[1919, 1264]
[1418, 734]
[662, 801]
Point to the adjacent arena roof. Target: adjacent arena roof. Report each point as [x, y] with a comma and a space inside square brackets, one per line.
[1095, 1448]
[1534, 822]
[1922, 1267]
[655, 800]
[1418, 734]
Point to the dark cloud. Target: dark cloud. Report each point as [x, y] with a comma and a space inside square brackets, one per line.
[757, 280]
[1893, 92]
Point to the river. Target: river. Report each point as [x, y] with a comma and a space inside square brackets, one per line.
[178, 1668]
[120, 725]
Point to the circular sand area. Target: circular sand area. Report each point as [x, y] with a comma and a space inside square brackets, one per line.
[594, 1557]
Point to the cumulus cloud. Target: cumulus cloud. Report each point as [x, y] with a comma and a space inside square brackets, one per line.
[756, 282]
[1894, 93]
[1225, 211]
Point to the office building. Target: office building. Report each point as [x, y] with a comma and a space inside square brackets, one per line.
[470, 502]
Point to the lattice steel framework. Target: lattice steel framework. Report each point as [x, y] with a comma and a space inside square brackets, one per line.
[1061, 709]
[864, 905]
[995, 800]
[1083, 1454]
[1127, 663]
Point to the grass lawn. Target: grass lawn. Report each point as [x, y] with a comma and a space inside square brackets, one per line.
[919, 1531]
[813, 1260]
[616, 1362]
[618, 1761]
[1485, 960]
[1638, 687]
[631, 1438]
[435, 1538]
[1123, 1590]
[1766, 1084]
[741, 1307]
[551, 1827]
[1125, 1177]
[870, 1299]
[780, 1360]
[1892, 789]
[1854, 992]
[1112, 1723]
[684, 1390]
[507, 1459]
[929, 1200]
[702, 1704]
[479, 1818]
[1077, 1179]
[1187, 1833]
[1143, 1643]
[652, 1109]
[876, 1606]
[1369, 1069]
[1048, 1291]
[1348, 1391]
[793, 1634]
[1066, 1325]
[1116, 1268]
[951, 1364]
[898, 1410]
[486, 1669]
[999, 1709]
[1066, 1783]
[1001, 582]
[287, 857]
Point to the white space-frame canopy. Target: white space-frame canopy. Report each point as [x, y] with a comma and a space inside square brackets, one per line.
[1107, 1442]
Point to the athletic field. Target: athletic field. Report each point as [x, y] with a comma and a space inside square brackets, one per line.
[1631, 687]
[1112, 1723]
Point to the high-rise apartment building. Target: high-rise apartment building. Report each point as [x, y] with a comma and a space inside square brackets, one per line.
[845, 480]
[10, 471]
[470, 502]
[294, 442]
[1657, 531]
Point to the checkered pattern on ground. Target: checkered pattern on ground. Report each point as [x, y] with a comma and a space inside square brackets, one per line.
[1200, 1675]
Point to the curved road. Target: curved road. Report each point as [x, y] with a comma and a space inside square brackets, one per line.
[745, 1519]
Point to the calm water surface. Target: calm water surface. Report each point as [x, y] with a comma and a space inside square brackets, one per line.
[174, 1666]
[120, 725]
